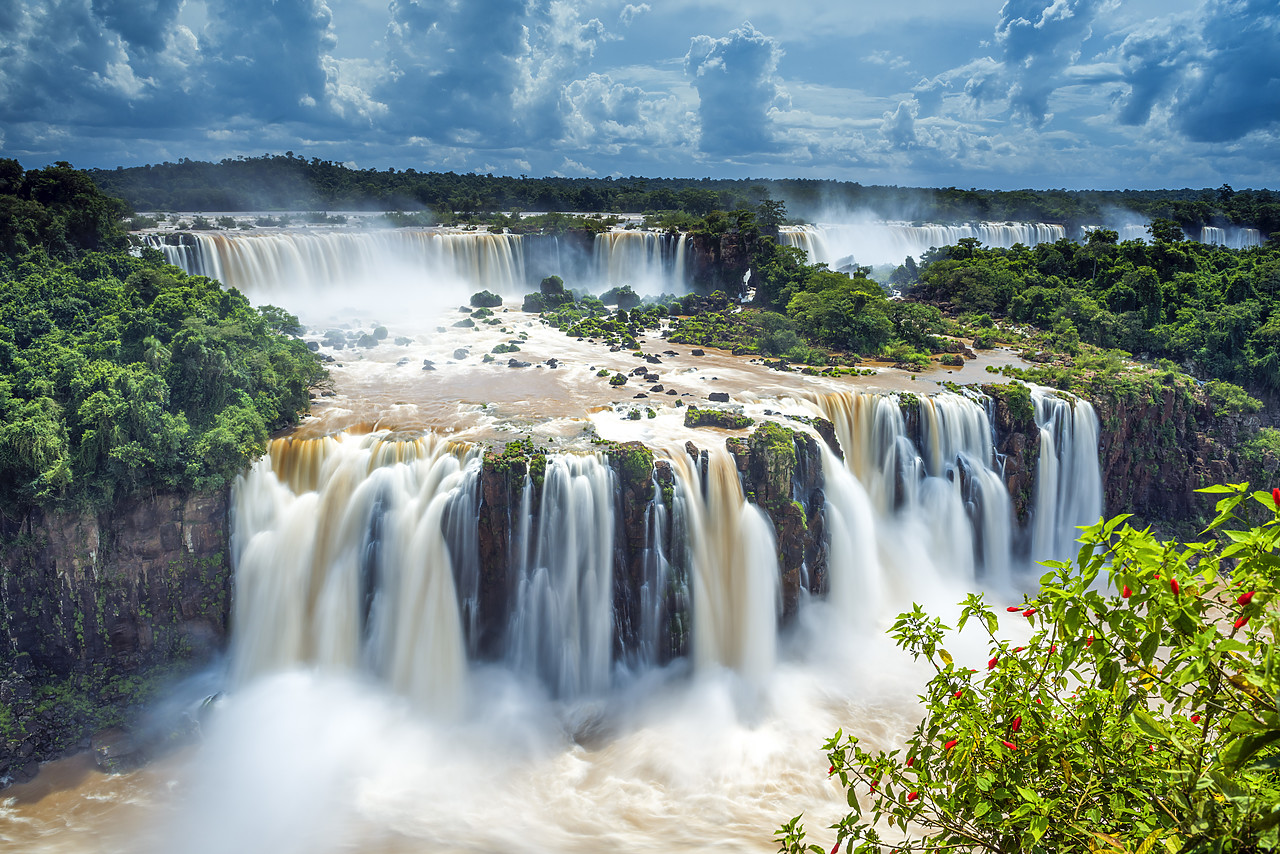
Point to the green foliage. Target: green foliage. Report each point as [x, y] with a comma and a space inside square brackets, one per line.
[1215, 309]
[695, 417]
[623, 297]
[485, 299]
[57, 210]
[1229, 399]
[120, 375]
[1140, 714]
[290, 182]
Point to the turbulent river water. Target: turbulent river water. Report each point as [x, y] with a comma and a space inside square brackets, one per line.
[357, 711]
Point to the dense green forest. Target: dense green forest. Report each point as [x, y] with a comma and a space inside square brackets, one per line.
[1212, 309]
[291, 182]
[120, 374]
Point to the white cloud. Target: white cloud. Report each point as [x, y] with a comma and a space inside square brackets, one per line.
[737, 90]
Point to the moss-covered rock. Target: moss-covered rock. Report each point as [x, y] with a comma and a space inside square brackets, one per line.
[695, 417]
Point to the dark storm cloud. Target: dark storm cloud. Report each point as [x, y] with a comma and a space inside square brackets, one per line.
[736, 90]
[267, 59]
[1040, 41]
[1216, 76]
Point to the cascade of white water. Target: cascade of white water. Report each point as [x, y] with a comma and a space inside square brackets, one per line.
[880, 242]
[1232, 237]
[562, 619]
[662, 598]
[734, 578]
[1068, 479]
[649, 261]
[928, 471]
[340, 548]
[326, 260]
[258, 263]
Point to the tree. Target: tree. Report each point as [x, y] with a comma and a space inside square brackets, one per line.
[1140, 715]
[1165, 231]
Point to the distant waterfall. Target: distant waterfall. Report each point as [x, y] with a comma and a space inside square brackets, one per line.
[873, 243]
[1231, 237]
[508, 264]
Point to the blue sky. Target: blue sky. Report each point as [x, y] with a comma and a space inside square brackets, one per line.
[1028, 93]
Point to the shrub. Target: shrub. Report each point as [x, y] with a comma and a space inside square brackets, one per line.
[1139, 715]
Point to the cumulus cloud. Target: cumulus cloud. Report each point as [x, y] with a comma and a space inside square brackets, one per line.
[1040, 41]
[899, 126]
[630, 12]
[737, 90]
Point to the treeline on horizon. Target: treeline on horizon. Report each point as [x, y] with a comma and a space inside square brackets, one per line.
[291, 182]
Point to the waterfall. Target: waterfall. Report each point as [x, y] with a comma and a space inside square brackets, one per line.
[929, 490]
[562, 620]
[324, 260]
[362, 553]
[1068, 480]
[734, 577]
[651, 262]
[1231, 237]
[342, 560]
[886, 242]
[873, 243]
[508, 264]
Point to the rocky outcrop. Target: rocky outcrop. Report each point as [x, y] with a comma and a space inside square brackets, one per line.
[783, 476]
[1017, 443]
[719, 263]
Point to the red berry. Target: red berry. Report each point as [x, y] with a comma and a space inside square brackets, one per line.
[958, 694]
[1240, 623]
[1195, 719]
[1126, 592]
[831, 770]
[1053, 649]
[911, 760]
[1089, 642]
[1275, 497]
[993, 662]
[911, 796]
[1245, 598]
[950, 744]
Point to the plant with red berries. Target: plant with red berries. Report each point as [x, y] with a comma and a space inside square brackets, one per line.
[1143, 723]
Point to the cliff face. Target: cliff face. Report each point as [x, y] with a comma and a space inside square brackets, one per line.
[1159, 447]
[95, 607]
[136, 584]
